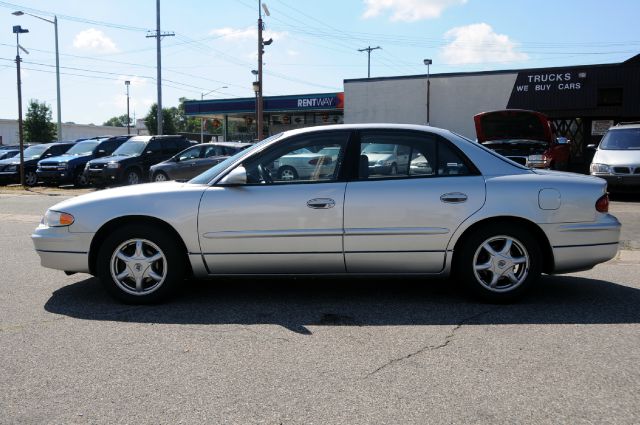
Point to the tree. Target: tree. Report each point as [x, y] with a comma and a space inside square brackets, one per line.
[184, 123]
[168, 120]
[37, 125]
[120, 121]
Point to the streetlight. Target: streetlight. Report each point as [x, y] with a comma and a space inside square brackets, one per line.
[428, 62]
[55, 25]
[202, 95]
[127, 83]
[17, 30]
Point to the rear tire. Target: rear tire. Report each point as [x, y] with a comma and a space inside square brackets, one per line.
[141, 264]
[30, 178]
[160, 176]
[80, 180]
[498, 263]
[287, 172]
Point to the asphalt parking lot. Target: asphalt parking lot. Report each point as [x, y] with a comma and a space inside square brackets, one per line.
[315, 351]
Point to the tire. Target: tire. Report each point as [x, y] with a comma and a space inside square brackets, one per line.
[287, 172]
[80, 180]
[141, 264]
[30, 178]
[160, 176]
[489, 272]
[132, 176]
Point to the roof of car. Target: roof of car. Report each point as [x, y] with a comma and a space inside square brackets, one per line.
[376, 126]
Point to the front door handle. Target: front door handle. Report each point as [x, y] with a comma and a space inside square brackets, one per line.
[321, 203]
[453, 198]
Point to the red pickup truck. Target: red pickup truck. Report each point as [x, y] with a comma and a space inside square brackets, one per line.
[525, 137]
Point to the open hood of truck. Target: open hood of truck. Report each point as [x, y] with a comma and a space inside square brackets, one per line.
[513, 124]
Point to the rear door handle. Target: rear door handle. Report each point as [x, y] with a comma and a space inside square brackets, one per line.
[321, 203]
[453, 198]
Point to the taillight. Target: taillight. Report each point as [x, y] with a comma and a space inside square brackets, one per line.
[602, 204]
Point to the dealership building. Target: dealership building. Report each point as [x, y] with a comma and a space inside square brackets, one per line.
[582, 101]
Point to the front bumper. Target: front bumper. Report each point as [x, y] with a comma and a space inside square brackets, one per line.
[9, 177]
[58, 176]
[580, 246]
[61, 249]
[103, 176]
[621, 182]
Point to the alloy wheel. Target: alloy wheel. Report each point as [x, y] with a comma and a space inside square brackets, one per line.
[501, 263]
[138, 266]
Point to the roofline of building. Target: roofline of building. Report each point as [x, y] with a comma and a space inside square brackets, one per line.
[252, 99]
[480, 73]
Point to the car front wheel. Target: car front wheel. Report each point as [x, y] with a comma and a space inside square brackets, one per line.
[287, 173]
[140, 264]
[30, 178]
[132, 177]
[160, 177]
[498, 263]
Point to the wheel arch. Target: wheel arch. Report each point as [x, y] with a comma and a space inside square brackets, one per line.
[106, 229]
[536, 231]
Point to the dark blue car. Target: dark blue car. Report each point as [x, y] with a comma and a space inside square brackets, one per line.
[10, 167]
[69, 168]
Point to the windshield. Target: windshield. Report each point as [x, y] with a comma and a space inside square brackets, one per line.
[83, 148]
[130, 148]
[213, 172]
[619, 140]
[34, 152]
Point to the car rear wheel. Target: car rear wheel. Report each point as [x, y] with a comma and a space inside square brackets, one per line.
[287, 173]
[498, 263]
[132, 177]
[160, 177]
[140, 264]
[30, 178]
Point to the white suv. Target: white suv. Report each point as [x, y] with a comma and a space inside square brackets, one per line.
[617, 158]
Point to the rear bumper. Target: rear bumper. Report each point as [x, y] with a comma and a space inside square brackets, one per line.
[580, 246]
[61, 249]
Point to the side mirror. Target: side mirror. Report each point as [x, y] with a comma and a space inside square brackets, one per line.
[592, 147]
[237, 176]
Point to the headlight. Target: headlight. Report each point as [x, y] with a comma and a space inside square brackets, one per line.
[11, 168]
[57, 219]
[600, 169]
[113, 165]
[63, 166]
[384, 163]
[537, 158]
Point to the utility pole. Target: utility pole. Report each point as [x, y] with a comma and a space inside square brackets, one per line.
[17, 30]
[368, 50]
[428, 63]
[261, 44]
[127, 83]
[158, 36]
[55, 26]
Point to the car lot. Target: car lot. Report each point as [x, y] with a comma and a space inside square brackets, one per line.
[314, 350]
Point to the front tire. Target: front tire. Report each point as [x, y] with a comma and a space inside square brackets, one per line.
[141, 264]
[132, 176]
[287, 173]
[160, 176]
[30, 178]
[498, 263]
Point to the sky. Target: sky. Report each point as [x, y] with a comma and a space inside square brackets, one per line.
[315, 45]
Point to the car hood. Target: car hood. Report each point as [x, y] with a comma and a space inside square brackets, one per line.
[517, 147]
[512, 124]
[617, 157]
[65, 158]
[111, 158]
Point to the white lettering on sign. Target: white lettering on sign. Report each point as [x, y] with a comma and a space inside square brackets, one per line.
[317, 102]
[522, 88]
[544, 78]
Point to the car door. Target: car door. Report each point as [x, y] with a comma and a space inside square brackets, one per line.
[210, 156]
[271, 225]
[186, 163]
[402, 223]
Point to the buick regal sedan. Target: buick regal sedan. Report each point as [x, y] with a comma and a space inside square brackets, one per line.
[491, 223]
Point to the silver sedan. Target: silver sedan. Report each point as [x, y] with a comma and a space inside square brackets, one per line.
[492, 224]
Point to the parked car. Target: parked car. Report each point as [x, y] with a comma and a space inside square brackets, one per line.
[194, 160]
[304, 164]
[386, 159]
[10, 168]
[525, 137]
[617, 158]
[130, 163]
[8, 153]
[491, 223]
[69, 167]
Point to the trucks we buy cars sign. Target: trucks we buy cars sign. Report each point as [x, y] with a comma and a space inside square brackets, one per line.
[562, 89]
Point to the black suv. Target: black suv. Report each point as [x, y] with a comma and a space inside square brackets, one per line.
[10, 167]
[69, 167]
[130, 163]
